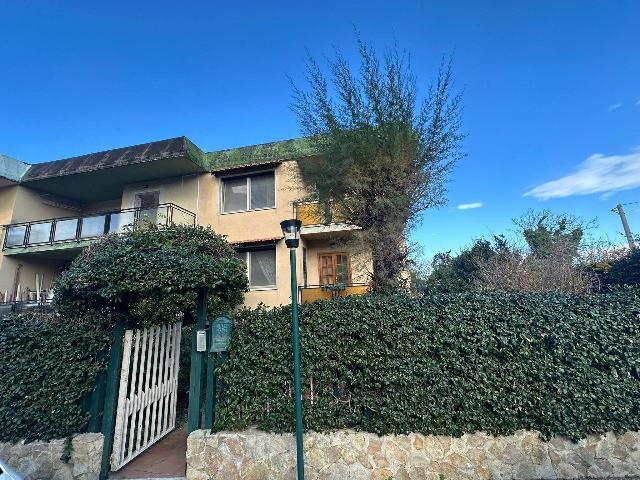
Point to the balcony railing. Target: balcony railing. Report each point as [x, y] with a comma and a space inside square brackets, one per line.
[312, 293]
[91, 226]
[313, 213]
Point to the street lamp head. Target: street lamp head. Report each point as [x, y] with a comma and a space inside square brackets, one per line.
[291, 232]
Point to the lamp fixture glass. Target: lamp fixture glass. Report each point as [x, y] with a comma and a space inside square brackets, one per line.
[291, 232]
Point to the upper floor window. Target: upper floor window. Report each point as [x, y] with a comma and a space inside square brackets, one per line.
[252, 192]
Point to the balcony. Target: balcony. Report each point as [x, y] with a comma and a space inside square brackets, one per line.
[312, 293]
[77, 232]
[317, 222]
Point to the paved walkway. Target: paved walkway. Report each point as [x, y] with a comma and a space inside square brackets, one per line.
[166, 459]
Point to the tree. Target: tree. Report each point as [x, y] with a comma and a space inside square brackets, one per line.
[545, 255]
[549, 234]
[624, 270]
[384, 154]
[549, 263]
[148, 275]
[450, 274]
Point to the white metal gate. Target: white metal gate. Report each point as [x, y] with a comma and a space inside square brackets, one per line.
[148, 391]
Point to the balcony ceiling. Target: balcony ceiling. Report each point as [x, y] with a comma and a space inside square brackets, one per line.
[94, 177]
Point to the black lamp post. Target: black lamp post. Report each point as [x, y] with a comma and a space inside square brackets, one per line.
[291, 232]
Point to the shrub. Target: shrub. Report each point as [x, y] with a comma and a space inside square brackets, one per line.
[149, 275]
[48, 365]
[444, 365]
[624, 270]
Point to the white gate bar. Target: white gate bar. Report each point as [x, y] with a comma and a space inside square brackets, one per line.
[132, 389]
[147, 397]
[154, 383]
[140, 394]
[122, 395]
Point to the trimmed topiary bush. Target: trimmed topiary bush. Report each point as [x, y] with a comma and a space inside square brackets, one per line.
[48, 365]
[444, 365]
[150, 275]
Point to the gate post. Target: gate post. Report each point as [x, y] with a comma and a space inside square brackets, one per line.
[197, 360]
[113, 373]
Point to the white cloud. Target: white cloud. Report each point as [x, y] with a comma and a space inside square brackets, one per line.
[615, 106]
[597, 174]
[638, 102]
[469, 206]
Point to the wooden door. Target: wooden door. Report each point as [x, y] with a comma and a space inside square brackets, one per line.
[335, 268]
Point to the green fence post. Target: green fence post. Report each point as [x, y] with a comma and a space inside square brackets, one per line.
[210, 394]
[97, 398]
[197, 359]
[113, 377]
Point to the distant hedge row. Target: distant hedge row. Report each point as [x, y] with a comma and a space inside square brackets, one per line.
[47, 366]
[445, 365]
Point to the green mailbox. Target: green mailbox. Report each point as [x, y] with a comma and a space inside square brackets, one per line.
[221, 329]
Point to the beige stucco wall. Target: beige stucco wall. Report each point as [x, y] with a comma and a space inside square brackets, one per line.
[199, 194]
[360, 263]
[182, 191]
[28, 206]
[48, 268]
[21, 204]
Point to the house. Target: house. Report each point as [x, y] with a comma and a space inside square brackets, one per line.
[50, 211]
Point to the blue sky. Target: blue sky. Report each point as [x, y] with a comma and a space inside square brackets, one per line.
[552, 89]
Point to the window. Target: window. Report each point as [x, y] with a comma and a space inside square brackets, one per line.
[248, 193]
[334, 268]
[261, 267]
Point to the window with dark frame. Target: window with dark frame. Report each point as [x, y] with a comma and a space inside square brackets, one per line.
[261, 266]
[250, 192]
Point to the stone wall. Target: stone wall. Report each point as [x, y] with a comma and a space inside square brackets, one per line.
[41, 460]
[255, 455]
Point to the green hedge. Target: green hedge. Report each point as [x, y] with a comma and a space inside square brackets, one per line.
[444, 365]
[47, 366]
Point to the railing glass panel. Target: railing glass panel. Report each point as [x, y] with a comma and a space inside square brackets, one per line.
[93, 226]
[66, 229]
[15, 235]
[121, 221]
[181, 217]
[40, 232]
[153, 215]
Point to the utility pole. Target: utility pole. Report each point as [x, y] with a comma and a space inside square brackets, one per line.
[625, 226]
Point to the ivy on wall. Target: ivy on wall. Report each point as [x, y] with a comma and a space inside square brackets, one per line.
[48, 365]
[444, 365]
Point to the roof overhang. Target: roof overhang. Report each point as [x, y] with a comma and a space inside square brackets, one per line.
[6, 182]
[11, 170]
[261, 242]
[102, 176]
[237, 170]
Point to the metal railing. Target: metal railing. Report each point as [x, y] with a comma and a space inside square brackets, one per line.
[91, 226]
[311, 293]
